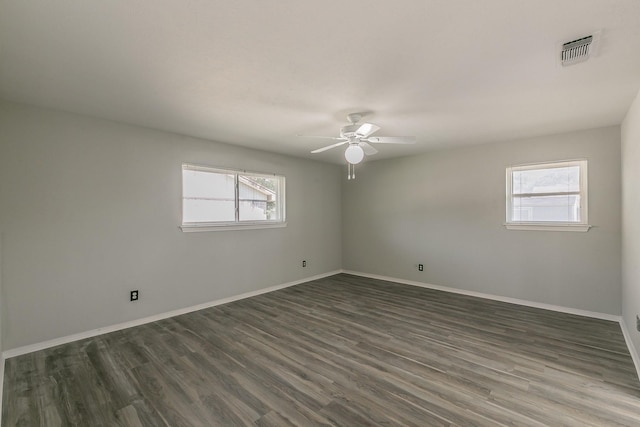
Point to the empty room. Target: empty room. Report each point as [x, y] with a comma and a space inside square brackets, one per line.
[337, 213]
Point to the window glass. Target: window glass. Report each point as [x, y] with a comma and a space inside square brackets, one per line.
[208, 196]
[546, 180]
[219, 197]
[547, 193]
[258, 198]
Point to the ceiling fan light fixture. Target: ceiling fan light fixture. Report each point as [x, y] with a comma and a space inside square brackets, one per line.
[354, 154]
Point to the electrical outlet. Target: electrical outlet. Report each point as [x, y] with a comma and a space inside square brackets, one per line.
[304, 263]
[134, 295]
[420, 267]
[637, 323]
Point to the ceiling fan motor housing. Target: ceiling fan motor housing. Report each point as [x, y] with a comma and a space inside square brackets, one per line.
[349, 130]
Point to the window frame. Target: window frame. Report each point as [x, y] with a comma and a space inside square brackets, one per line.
[581, 226]
[236, 224]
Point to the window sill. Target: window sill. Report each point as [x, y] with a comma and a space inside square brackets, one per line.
[548, 227]
[194, 228]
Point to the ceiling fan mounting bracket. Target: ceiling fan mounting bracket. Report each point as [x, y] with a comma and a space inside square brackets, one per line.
[354, 118]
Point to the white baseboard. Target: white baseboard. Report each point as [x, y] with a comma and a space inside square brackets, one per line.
[559, 308]
[105, 330]
[632, 348]
[1, 384]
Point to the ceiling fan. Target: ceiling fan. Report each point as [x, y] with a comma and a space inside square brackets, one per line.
[359, 140]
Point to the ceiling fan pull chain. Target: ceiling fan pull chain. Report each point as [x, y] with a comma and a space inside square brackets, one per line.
[351, 171]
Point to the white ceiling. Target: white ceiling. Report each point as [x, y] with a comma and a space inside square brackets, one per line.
[259, 72]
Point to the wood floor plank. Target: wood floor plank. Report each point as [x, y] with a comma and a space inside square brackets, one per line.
[341, 351]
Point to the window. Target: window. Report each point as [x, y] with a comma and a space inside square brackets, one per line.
[548, 196]
[214, 199]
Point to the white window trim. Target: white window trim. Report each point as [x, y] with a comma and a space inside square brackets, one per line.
[190, 227]
[582, 226]
[228, 226]
[547, 226]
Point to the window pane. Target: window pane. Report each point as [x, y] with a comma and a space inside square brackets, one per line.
[258, 198]
[565, 208]
[208, 196]
[549, 180]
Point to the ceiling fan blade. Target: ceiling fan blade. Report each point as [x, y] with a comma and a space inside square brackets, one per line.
[368, 149]
[366, 129]
[392, 139]
[328, 147]
[318, 136]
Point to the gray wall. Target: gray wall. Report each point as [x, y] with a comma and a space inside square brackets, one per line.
[631, 221]
[446, 209]
[89, 209]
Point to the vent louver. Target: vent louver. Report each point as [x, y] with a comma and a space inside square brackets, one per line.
[576, 51]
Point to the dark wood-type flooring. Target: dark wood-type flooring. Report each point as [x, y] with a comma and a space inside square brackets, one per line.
[344, 351]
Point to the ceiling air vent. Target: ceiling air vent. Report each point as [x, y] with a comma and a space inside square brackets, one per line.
[576, 51]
